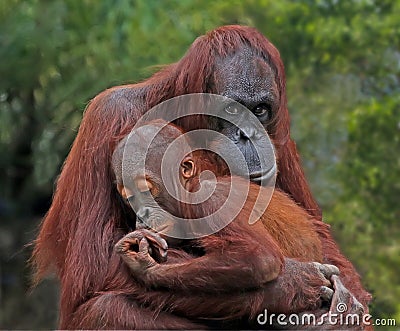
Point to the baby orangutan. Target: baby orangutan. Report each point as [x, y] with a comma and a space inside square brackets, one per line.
[275, 259]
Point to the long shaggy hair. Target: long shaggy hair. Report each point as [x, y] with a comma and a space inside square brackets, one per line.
[86, 217]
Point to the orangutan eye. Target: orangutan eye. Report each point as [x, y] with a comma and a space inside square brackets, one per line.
[232, 109]
[262, 110]
[142, 185]
[146, 186]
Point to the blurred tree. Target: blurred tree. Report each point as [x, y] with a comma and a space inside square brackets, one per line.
[367, 212]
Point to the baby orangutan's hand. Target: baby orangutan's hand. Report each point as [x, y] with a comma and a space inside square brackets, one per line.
[142, 249]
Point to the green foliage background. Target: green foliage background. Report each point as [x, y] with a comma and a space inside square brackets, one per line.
[342, 60]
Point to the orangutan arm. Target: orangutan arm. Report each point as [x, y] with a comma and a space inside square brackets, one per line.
[239, 264]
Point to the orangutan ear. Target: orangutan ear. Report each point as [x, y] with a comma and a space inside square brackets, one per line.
[188, 167]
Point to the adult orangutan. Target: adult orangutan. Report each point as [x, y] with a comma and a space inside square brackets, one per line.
[87, 218]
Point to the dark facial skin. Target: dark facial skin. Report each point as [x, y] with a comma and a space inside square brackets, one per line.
[250, 81]
[149, 200]
[141, 196]
[141, 201]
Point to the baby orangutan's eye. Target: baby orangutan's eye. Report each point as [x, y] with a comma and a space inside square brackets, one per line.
[144, 185]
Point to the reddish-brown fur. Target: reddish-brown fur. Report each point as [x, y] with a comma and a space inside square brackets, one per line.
[250, 255]
[289, 225]
[86, 217]
[292, 228]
